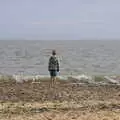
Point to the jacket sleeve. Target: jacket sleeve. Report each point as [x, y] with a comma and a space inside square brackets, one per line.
[49, 65]
[57, 65]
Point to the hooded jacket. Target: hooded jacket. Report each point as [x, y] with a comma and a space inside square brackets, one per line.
[53, 63]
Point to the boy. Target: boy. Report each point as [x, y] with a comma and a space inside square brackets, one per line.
[53, 67]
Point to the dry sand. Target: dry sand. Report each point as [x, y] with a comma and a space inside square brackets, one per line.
[65, 101]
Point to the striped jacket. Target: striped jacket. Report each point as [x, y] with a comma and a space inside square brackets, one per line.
[53, 63]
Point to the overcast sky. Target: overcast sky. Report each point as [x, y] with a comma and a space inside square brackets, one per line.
[59, 19]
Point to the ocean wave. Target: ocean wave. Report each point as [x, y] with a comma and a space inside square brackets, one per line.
[82, 78]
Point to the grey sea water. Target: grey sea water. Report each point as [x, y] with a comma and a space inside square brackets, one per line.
[76, 57]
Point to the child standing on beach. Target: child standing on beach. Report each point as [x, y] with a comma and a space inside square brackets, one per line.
[53, 67]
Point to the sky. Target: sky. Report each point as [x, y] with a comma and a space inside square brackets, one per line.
[59, 19]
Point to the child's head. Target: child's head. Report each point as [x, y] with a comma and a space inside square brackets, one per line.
[53, 52]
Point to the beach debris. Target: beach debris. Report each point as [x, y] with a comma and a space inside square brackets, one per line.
[18, 78]
[76, 79]
[83, 78]
[21, 78]
[111, 80]
[26, 78]
[62, 77]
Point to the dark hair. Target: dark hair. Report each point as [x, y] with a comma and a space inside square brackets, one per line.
[53, 52]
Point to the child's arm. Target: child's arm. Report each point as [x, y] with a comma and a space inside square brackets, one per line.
[49, 65]
[57, 66]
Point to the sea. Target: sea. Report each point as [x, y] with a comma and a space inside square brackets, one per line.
[30, 57]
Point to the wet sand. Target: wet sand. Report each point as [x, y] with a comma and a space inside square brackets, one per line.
[65, 101]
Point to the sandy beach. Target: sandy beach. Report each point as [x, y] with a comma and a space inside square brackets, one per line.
[65, 101]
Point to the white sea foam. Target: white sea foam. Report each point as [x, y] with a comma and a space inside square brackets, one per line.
[82, 78]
